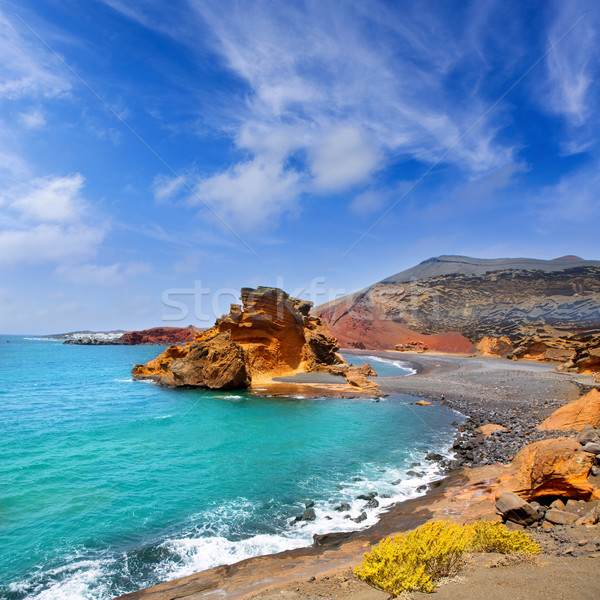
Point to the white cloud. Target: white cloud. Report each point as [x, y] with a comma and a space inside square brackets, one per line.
[314, 74]
[49, 243]
[33, 119]
[54, 199]
[46, 221]
[344, 157]
[165, 188]
[250, 193]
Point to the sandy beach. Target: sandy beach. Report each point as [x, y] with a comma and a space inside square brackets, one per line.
[517, 395]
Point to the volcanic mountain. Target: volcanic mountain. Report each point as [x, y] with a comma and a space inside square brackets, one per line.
[451, 303]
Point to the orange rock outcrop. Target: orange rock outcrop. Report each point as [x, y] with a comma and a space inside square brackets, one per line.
[575, 415]
[270, 334]
[494, 346]
[554, 467]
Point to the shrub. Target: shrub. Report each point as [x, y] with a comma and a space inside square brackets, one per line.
[496, 537]
[416, 560]
[413, 561]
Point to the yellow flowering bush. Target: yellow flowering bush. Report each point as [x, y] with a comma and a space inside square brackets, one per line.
[496, 537]
[416, 560]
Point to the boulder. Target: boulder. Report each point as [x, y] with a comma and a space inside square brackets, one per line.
[423, 403]
[591, 517]
[494, 346]
[515, 509]
[588, 434]
[360, 518]
[344, 506]
[560, 517]
[270, 334]
[592, 448]
[550, 468]
[575, 415]
[487, 430]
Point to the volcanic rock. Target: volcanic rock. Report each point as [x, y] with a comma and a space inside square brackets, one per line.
[589, 434]
[160, 336]
[551, 468]
[560, 517]
[271, 334]
[575, 415]
[515, 509]
[494, 346]
[451, 302]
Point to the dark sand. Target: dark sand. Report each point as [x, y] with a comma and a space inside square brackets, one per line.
[325, 572]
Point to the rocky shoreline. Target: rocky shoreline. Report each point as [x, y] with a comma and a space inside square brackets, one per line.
[515, 396]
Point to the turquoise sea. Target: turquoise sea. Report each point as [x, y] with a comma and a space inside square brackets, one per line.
[108, 484]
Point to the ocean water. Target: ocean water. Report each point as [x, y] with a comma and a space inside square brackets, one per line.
[109, 484]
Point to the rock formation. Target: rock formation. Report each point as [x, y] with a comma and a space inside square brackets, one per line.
[543, 309]
[270, 334]
[575, 415]
[158, 336]
[556, 467]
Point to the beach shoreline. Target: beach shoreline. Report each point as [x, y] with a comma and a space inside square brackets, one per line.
[519, 393]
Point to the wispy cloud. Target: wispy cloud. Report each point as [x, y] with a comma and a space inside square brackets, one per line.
[333, 96]
[572, 68]
[26, 71]
[33, 119]
[102, 275]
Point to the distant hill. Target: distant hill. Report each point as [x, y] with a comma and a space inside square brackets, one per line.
[449, 303]
[153, 336]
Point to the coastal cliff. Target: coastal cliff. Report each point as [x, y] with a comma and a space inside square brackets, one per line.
[270, 334]
[158, 336]
[526, 308]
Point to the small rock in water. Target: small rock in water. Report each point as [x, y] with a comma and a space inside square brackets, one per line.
[421, 488]
[307, 515]
[372, 504]
[368, 496]
[360, 518]
[309, 504]
[342, 507]
[397, 482]
[414, 474]
[434, 456]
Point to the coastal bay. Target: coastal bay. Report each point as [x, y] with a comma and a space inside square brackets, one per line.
[522, 393]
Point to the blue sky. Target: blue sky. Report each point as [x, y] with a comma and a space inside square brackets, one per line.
[322, 146]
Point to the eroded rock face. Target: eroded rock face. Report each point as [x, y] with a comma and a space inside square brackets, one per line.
[555, 467]
[159, 336]
[450, 303]
[575, 415]
[494, 346]
[270, 334]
